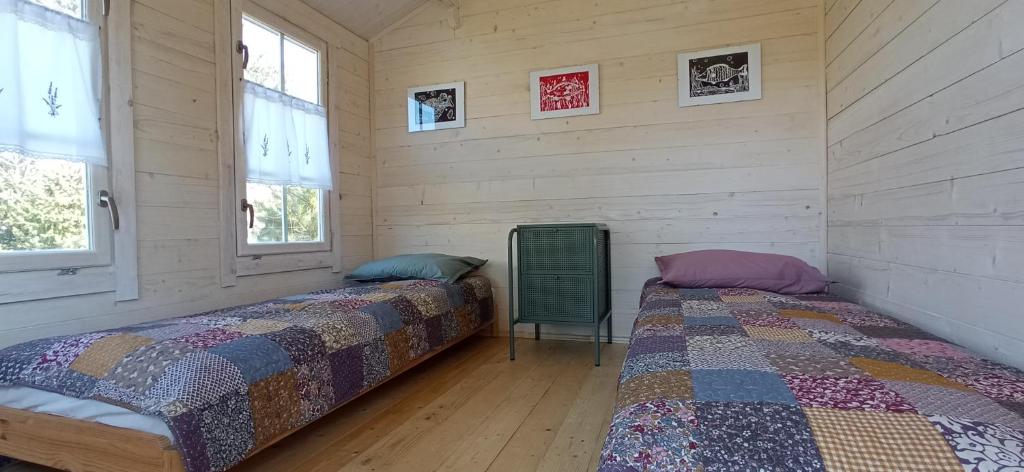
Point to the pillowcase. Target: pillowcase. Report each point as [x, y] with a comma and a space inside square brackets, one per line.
[738, 269]
[417, 266]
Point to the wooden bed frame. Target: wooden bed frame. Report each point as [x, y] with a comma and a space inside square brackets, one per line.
[84, 446]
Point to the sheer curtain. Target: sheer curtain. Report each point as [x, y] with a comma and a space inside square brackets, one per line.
[49, 84]
[285, 139]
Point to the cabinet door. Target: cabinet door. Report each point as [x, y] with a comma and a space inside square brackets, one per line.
[569, 249]
[557, 298]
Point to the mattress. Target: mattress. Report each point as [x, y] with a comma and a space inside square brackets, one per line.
[41, 401]
[227, 382]
[736, 379]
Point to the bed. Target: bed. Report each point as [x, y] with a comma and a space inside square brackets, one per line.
[739, 379]
[202, 393]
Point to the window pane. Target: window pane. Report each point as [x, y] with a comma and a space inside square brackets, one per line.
[264, 44]
[268, 203]
[42, 204]
[303, 214]
[301, 71]
[68, 7]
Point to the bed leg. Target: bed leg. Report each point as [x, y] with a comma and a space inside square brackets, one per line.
[609, 328]
[536, 331]
[511, 346]
[597, 343]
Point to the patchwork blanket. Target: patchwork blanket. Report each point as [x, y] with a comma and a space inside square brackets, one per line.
[745, 380]
[229, 381]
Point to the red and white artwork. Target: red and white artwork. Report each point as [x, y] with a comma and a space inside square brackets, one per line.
[564, 92]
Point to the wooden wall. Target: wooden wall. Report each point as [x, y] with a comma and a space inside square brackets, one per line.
[665, 179]
[926, 164]
[177, 181]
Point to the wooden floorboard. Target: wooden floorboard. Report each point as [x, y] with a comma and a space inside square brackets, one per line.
[468, 409]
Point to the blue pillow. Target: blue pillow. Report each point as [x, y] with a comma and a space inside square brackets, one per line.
[417, 266]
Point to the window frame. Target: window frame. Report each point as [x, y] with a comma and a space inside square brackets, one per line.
[97, 178]
[111, 263]
[269, 19]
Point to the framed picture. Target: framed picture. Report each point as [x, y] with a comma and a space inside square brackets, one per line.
[568, 91]
[720, 75]
[440, 106]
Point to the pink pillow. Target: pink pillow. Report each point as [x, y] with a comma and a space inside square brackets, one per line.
[738, 269]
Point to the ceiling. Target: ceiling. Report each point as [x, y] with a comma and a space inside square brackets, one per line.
[365, 18]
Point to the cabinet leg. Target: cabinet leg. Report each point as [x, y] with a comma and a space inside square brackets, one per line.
[597, 344]
[511, 346]
[609, 328]
[536, 331]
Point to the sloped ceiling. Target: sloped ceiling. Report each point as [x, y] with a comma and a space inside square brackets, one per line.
[365, 18]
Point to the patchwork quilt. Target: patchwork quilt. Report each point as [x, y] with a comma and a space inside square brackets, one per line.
[229, 381]
[746, 380]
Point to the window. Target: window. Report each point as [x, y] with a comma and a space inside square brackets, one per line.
[44, 204]
[53, 155]
[72, 8]
[283, 161]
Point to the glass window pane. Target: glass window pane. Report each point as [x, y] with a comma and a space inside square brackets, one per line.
[268, 203]
[303, 214]
[264, 44]
[68, 7]
[42, 204]
[301, 71]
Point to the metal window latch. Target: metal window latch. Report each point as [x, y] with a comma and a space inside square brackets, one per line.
[106, 200]
[247, 207]
[106, 7]
[242, 49]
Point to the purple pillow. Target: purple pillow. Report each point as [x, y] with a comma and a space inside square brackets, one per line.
[738, 269]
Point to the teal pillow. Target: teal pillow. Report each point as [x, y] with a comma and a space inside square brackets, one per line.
[417, 266]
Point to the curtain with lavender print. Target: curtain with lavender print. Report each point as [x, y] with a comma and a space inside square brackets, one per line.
[49, 84]
[285, 139]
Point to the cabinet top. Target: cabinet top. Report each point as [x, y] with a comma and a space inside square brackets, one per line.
[564, 225]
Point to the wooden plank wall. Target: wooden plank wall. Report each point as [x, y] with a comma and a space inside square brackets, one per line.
[177, 182]
[741, 175]
[365, 18]
[926, 164]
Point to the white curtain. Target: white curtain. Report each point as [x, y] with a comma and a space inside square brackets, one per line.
[49, 84]
[285, 139]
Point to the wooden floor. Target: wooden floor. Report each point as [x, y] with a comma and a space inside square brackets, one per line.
[468, 409]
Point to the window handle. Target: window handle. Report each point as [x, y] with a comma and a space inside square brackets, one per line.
[106, 7]
[242, 49]
[246, 206]
[106, 200]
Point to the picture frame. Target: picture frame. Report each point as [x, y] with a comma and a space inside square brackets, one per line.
[436, 107]
[722, 75]
[566, 91]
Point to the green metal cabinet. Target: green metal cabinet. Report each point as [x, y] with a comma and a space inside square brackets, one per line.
[563, 278]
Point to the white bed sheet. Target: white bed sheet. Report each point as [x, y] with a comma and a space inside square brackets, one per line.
[41, 401]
